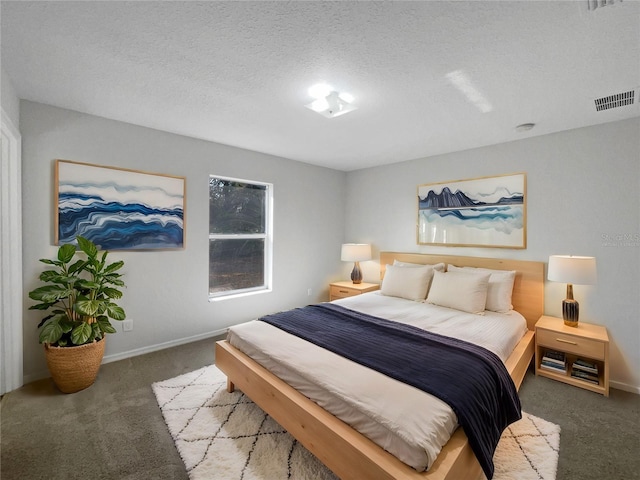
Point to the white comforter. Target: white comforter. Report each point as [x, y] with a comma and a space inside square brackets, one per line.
[407, 422]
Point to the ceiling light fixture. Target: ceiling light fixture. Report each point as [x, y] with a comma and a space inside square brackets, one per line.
[328, 102]
[462, 82]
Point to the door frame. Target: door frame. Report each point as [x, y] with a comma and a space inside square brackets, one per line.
[11, 301]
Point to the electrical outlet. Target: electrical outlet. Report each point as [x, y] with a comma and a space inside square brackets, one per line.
[308, 292]
[127, 325]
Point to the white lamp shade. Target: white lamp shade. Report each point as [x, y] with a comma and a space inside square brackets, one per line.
[570, 269]
[355, 252]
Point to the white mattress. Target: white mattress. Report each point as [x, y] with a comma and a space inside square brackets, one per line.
[409, 423]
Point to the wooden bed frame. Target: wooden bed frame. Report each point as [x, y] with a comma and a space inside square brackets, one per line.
[350, 455]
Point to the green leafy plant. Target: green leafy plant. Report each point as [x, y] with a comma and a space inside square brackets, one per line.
[78, 295]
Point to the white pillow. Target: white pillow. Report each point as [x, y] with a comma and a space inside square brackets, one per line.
[438, 266]
[500, 287]
[409, 283]
[462, 291]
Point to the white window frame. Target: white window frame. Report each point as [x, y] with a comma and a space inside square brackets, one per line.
[268, 243]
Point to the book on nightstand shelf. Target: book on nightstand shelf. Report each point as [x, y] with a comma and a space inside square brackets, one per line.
[554, 361]
[587, 377]
[585, 370]
[586, 366]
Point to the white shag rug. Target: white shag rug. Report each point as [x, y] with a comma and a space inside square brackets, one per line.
[225, 436]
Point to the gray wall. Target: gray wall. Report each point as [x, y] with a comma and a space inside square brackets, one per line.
[583, 199]
[167, 292]
[9, 99]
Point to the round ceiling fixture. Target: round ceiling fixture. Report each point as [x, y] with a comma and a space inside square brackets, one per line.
[320, 90]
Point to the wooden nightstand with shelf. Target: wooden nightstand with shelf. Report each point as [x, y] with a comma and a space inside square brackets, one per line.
[349, 289]
[586, 342]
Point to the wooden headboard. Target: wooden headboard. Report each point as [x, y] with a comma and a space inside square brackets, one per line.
[528, 289]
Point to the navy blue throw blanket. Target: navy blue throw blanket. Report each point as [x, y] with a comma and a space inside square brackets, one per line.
[472, 380]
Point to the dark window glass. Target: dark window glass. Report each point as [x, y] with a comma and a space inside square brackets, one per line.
[235, 264]
[235, 207]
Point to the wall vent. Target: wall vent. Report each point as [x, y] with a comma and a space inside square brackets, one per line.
[615, 101]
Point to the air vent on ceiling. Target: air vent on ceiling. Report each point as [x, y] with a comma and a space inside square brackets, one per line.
[615, 101]
[593, 4]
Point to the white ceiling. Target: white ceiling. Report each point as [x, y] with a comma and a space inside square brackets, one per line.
[237, 73]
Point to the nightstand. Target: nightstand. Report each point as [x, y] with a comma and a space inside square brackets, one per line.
[583, 350]
[349, 289]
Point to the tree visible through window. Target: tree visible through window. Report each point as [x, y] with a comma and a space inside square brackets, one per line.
[239, 236]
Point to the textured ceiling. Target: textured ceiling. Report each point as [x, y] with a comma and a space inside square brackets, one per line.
[237, 73]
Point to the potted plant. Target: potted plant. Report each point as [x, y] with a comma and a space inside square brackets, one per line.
[78, 296]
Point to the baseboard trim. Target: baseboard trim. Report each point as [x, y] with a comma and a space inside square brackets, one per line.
[624, 386]
[161, 346]
[136, 352]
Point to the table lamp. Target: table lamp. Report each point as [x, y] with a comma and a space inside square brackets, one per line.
[571, 270]
[356, 252]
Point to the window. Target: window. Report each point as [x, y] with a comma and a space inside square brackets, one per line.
[239, 236]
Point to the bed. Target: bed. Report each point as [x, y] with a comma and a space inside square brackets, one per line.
[344, 450]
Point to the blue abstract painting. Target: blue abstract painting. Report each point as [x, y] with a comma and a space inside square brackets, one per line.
[486, 212]
[119, 209]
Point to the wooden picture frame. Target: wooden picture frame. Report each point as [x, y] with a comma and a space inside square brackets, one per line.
[119, 208]
[479, 212]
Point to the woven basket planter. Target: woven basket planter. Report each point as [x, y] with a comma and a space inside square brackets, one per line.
[74, 368]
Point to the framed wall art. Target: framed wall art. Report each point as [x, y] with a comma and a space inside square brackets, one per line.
[117, 208]
[480, 212]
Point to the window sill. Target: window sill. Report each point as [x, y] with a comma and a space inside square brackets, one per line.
[219, 298]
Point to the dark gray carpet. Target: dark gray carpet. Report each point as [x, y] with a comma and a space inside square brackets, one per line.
[114, 429]
[600, 436]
